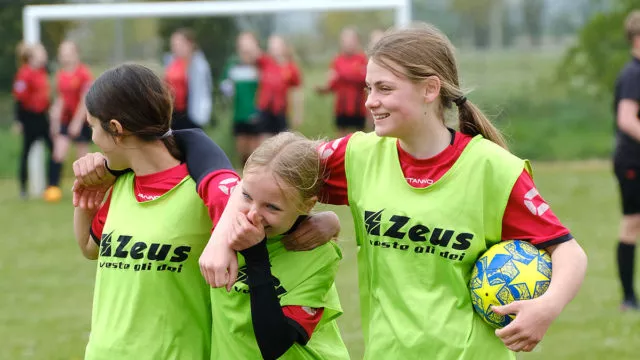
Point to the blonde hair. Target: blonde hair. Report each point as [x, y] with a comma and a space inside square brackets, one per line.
[292, 158]
[423, 51]
[632, 24]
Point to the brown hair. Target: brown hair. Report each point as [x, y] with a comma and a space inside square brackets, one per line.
[138, 99]
[294, 159]
[632, 24]
[189, 35]
[423, 51]
[23, 53]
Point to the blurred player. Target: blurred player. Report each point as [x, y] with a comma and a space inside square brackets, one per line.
[285, 304]
[68, 114]
[280, 80]
[346, 80]
[626, 161]
[32, 94]
[241, 82]
[189, 77]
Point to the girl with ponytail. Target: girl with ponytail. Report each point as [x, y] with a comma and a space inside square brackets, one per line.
[427, 201]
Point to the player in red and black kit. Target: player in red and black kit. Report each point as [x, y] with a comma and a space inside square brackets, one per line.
[31, 92]
[626, 160]
[346, 81]
[68, 113]
[189, 77]
[278, 76]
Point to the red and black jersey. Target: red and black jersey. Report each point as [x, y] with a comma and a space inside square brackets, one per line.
[177, 80]
[519, 222]
[72, 86]
[275, 81]
[31, 89]
[347, 81]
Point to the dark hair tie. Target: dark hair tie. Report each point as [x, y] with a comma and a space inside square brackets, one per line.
[460, 101]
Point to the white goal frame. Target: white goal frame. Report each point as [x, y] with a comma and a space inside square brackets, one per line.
[33, 15]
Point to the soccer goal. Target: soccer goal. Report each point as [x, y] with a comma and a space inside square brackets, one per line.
[33, 15]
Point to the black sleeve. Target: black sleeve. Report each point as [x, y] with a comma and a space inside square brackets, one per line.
[630, 86]
[203, 156]
[275, 333]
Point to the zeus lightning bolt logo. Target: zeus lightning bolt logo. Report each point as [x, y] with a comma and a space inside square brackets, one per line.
[372, 221]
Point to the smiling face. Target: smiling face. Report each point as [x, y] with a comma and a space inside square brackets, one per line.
[267, 197]
[396, 103]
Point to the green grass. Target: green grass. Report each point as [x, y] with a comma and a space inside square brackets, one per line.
[47, 286]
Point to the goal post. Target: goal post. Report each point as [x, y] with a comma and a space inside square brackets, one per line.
[33, 15]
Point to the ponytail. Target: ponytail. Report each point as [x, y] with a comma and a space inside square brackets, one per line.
[170, 142]
[473, 122]
[172, 146]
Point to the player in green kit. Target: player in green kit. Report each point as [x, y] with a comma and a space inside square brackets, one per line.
[426, 201]
[241, 83]
[150, 300]
[284, 304]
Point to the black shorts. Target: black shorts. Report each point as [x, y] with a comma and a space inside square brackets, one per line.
[271, 123]
[246, 128]
[629, 182]
[83, 137]
[345, 121]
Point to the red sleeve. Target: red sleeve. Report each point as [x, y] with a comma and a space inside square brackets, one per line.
[528, 217]
[97, 225]
[262, 61]
[21, 85]
[306, 317]
[296, 78]
[333, 153]
[214, 190]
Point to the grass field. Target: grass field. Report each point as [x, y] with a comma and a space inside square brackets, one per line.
[46, 285]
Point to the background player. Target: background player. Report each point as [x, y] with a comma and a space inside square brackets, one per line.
[279, 80]
[189, 77]
[626, 160]
[68, 114]
[346, 81]
[32, 94]
[241, 82]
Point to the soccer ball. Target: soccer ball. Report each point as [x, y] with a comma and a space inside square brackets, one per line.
[509, 271]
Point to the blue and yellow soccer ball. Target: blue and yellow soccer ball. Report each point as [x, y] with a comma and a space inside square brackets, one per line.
[507, 272]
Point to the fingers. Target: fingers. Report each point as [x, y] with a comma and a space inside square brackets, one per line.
[207, 273]
[90, 169]
[99, 165]
[233, 273]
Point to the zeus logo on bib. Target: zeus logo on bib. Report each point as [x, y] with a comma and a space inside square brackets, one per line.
[415, 237]
[124, 248]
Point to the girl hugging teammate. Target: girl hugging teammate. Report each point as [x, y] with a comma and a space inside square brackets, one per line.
[416, 182]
